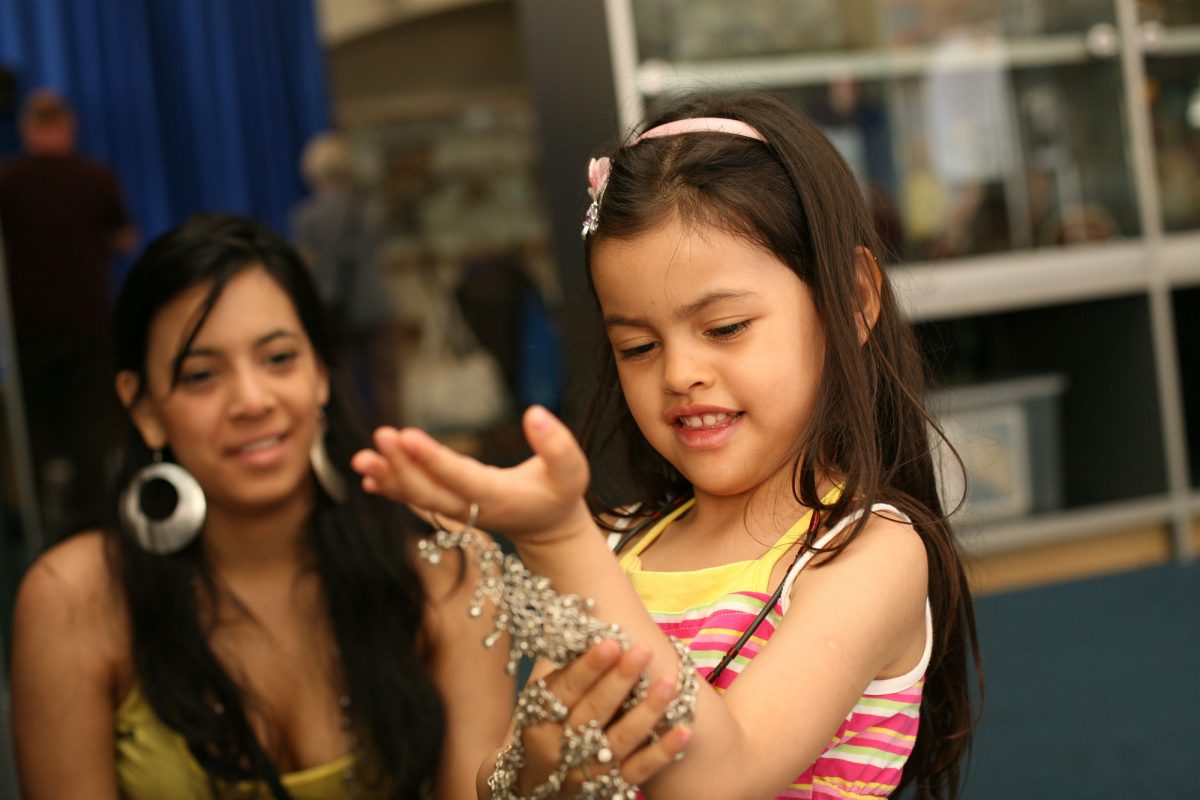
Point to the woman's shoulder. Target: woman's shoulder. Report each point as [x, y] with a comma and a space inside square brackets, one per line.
[72, 587]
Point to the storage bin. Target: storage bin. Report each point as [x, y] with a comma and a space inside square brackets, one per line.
[1007, 435]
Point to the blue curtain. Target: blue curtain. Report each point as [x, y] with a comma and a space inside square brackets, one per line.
[199, 105]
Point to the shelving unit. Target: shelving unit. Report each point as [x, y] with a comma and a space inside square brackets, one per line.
[1116, 312]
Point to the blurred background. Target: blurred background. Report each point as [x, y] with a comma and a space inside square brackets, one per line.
[1033, 167]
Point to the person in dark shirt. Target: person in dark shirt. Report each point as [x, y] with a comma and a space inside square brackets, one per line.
[63, 221]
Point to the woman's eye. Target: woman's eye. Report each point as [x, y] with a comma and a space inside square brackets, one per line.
[628, 353]
[282, 359]
[728, 331]
[196, 377]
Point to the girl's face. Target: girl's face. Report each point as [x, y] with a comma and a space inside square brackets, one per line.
[718, 348]
[245, 410]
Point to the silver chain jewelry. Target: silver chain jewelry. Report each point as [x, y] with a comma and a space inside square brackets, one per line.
[543, 624]
[537, 704]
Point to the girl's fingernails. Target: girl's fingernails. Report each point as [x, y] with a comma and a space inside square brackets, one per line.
[606, 652]
[682, 736]
[539, 418]
[664, 689]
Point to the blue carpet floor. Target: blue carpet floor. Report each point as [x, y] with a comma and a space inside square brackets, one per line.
[1092, 690]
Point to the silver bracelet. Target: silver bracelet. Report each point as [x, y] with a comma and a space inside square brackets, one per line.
[543, 624]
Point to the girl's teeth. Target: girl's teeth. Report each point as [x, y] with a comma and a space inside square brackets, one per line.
[706, 419]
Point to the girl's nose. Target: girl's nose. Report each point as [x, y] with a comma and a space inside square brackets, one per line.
[684, 370]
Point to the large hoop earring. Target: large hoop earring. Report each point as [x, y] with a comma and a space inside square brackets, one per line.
[164, 535]
[328, 478]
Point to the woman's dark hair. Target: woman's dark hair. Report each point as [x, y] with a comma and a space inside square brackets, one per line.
[373, 596]
[795, 198]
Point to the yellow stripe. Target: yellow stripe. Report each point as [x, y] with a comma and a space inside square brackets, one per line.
[908, 737]
[845, 787]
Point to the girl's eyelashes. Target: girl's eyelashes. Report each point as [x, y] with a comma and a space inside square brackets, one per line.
[727, 331]
[640, 350]
[718, 333]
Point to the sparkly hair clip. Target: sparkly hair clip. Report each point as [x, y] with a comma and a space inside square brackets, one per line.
[599, 168]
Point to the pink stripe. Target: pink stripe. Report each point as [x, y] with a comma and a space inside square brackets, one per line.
[901, 724]
[892, 747]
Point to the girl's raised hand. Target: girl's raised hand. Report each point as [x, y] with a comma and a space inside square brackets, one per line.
[537, 501]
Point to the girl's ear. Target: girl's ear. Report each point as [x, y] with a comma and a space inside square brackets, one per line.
[140, 409]
[869, 279]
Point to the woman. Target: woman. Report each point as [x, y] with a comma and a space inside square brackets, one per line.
[273, 635]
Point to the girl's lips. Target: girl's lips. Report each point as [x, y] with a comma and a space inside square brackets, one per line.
[706, 431]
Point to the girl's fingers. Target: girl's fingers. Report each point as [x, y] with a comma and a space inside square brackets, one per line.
[449, 474]
[603, 700]
[634, 727]
[647, 762]
[572, 682]
[552, 440]
[390, 471]
[543, 742]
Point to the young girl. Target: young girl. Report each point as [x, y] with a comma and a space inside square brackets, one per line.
[765, 398]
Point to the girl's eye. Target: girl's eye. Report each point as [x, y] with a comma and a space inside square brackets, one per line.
[728, 331]
[629, 353]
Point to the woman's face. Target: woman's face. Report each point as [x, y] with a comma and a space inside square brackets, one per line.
[245, 410]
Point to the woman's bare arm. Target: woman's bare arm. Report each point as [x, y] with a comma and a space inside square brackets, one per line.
[476, 691]
[66, 626]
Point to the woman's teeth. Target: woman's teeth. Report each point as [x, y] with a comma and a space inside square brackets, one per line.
[261, 444]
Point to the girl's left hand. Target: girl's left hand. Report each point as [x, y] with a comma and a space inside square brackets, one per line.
[537, 501]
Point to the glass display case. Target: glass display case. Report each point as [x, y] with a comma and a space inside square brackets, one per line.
[1033, 169]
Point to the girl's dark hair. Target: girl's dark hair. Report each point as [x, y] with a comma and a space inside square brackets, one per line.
[795, 198]
[371, 591]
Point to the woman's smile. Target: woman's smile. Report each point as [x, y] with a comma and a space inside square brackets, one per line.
[260, 452]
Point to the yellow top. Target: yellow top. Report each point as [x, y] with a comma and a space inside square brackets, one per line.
[154, 763]
[676, 591]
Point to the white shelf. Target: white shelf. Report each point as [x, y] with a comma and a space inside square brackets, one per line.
[1177, 40]
[1060, 526]
[1180, 259]
[657, 77]
[990, 284]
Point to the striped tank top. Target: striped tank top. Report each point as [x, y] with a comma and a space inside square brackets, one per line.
[711, 608]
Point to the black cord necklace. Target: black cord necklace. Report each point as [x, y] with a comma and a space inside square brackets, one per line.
[810, 536]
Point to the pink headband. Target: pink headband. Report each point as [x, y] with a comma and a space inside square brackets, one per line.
[599, 168]
[734, 127]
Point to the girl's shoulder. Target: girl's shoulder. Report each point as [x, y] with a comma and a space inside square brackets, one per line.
[888, 547]
[883, 524]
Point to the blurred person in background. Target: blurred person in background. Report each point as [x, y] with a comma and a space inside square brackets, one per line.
[339, 230]
[252, 623]
[63, 222]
